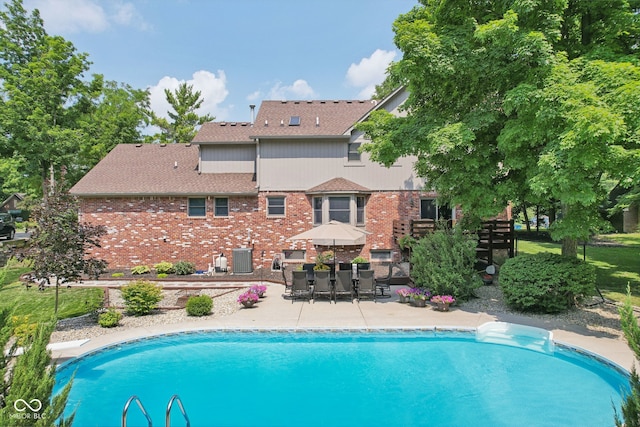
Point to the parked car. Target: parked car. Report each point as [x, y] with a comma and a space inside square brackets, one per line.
[7, 226]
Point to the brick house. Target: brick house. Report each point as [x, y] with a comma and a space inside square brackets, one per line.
[244, 188]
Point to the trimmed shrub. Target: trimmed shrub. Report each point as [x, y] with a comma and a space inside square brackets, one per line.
[120, 274]
[546, 282]
[141, 297]
[443, 262]
[183, 268]
[162, 275]
[109, 318]
[199, 305]
[164, 267]
[141, 269]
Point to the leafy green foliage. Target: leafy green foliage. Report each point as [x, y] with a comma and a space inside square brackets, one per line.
[530, 102]
[141, 297]
[31, 374]
[164, 267]
[546, 282]
[184, 119]
[443, 262]
[183, 268]
[141, 269]
[199, 305]
[109, 318]
[59, 245]
[631, 404]
[49, 115]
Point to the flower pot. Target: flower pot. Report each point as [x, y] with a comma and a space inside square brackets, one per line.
[442, 306]
[419, 302]
[403, 299]
[248, 303]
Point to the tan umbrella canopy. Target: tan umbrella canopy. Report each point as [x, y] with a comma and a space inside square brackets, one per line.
[333, 233]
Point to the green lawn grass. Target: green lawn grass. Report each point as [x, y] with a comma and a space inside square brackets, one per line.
[616, 266]
[39, 305]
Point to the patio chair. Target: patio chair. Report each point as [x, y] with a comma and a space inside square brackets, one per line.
[384, 283]
[322, 285]
[366, 285]
[287, 286]
[343, 285]
[308, 268]
[300, 288]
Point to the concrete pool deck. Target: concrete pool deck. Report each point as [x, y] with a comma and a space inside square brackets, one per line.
[276, 312]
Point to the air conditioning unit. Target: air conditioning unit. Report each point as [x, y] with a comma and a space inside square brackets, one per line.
[242, 260]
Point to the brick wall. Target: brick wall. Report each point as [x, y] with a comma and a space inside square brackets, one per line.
[145, 231]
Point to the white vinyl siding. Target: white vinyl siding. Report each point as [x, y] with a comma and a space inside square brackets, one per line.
[297, 165]
[221, 158]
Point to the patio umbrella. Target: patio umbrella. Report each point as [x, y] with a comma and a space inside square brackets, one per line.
[333, 233]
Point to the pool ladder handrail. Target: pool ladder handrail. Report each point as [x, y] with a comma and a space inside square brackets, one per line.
[176, 398]
[140, 405]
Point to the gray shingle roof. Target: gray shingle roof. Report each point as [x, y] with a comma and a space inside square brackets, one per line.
[317, 118]
[339, 185]
[158, 169]
[224, 132]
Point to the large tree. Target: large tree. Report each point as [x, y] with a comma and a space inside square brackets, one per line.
[517, 101]
[50, 116]
[185, 121]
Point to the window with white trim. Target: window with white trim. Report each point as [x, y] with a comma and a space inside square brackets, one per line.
[347, 209]
[197, 207]
[353, 152]
[340, 209]
[275, 206]
[221, 206]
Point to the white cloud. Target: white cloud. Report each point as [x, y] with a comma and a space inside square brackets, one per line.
[76, 16]
[369, 72]
[213, 90]
[300, 89]
[71, 16]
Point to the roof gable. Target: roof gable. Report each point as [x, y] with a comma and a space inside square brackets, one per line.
[339, 185]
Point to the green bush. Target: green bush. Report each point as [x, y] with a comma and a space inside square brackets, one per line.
[183, 268]
[546, 282]
[141, 297]
[140, 269]
[443, 262]
[164, 267]
[109, 318]
[117, 275]
[199, 305]
[162, 275]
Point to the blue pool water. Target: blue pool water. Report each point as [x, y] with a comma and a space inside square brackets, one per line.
[342, 379]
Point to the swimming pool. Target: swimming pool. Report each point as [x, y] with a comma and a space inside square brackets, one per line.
[343, 378]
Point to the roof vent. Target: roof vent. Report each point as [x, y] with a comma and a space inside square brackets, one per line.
[317, 121]
[281, 122]
[223, 124]
[138, 145]
[266, 123]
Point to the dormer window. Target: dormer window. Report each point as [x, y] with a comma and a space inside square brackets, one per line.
[294, 121]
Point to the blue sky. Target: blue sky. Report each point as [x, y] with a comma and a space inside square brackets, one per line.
[235, 52]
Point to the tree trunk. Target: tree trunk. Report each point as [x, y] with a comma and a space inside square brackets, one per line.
[55, 311]
[570, 247]
[526, 217]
